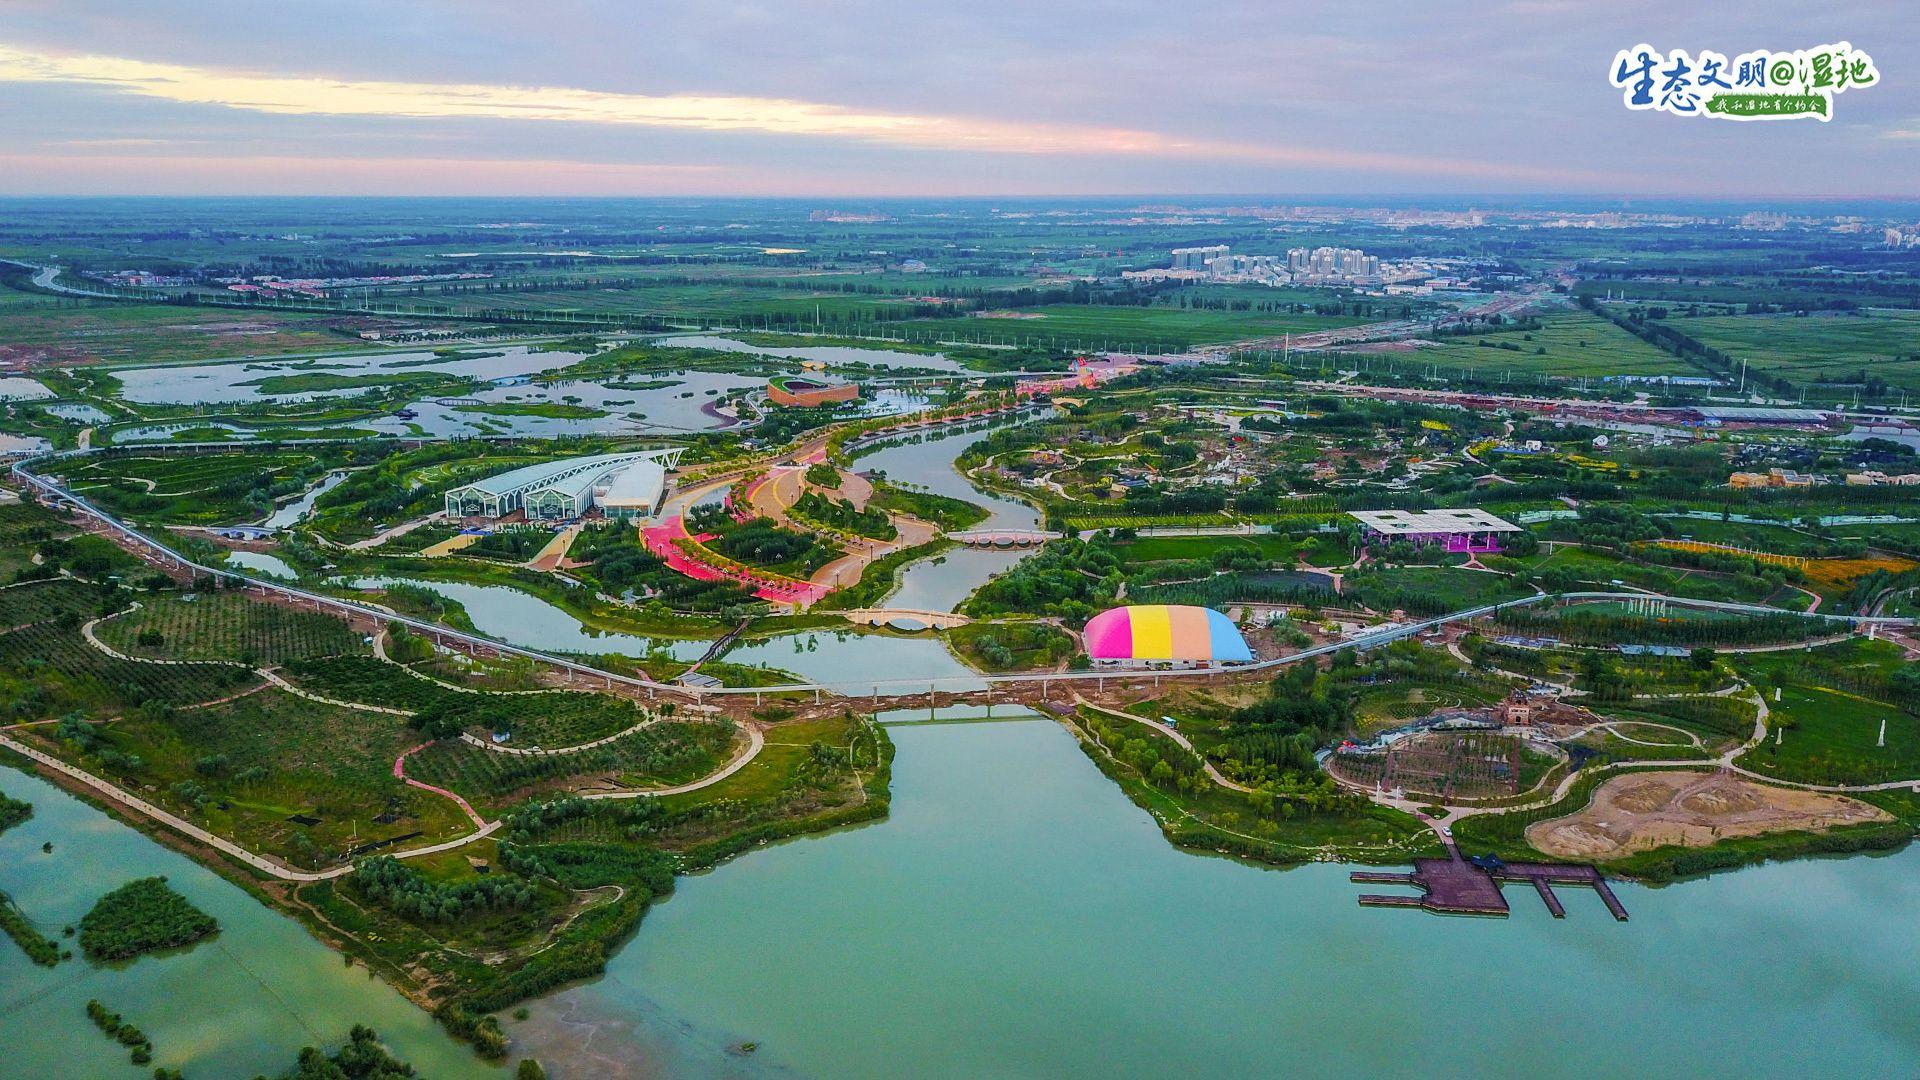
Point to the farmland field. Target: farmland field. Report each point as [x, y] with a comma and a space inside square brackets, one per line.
[1568, 344]
[1818, 348]
[662, 755]
[45, 601]
[158, 333]
[250, 765]
[64, 673]
[1833, 738]
[196, 489]
[226, 626]
[1121, 327]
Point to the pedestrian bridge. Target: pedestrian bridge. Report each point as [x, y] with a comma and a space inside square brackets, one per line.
[1003, 538]
[938, 620]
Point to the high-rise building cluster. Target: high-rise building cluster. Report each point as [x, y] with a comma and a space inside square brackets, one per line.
[1332, 262]
[1197, 258]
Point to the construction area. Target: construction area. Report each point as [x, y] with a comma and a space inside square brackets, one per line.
[1449, 765]
[1643, 811]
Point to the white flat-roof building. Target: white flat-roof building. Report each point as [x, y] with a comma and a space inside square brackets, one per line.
[1467, 531]
[636, 491]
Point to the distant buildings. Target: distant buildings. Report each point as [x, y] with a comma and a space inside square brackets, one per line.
[1197, 258]
[1773, 478]
[1875, 478]
[1305, 266]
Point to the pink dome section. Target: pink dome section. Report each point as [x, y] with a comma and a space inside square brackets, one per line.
[1110, 635]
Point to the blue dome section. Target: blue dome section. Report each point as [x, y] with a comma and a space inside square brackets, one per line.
[1229, 647]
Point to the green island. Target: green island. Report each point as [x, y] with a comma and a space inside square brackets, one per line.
[141, 917]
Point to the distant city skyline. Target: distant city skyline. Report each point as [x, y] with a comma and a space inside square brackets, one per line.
[846, 99]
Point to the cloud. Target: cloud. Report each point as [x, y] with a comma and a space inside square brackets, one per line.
[319, 96]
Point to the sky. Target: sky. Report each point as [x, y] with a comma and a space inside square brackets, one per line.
[837, 98]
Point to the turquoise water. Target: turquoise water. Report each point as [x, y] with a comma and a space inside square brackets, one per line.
[240, 1003]
[1018, 916]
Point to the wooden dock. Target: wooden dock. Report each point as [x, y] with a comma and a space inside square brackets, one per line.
[1457, 886]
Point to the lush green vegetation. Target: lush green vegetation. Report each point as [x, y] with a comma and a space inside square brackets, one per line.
[115, 1027]
[361, 1058]
[1072, 579]
[832, 515]
[13, 812]
[952, 515]
[140, 917]
[39, 948]
[1011, 646]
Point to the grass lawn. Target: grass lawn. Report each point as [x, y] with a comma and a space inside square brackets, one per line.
[1170, 548]
[163, 333]
[1833, 740]
[776, 769]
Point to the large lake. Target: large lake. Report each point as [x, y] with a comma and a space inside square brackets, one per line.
[1018, 916]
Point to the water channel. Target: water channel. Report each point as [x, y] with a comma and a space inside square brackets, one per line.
[942, 582]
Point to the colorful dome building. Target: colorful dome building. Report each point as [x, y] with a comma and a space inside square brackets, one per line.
[1165, 636]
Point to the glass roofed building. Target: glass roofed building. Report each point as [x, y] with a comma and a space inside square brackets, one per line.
[559, 489]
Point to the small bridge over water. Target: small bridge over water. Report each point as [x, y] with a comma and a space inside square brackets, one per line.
[938, 620]
[1003, 538]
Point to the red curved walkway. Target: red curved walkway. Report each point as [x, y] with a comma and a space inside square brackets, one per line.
[660, 538]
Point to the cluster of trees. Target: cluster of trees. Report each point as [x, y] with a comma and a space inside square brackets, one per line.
[1277, 735]
[1588, 627]
[620, 563]
[13, 812]
[39, 948]
[362, 1058]
[385, 881]
[121, 1031]
[759, 542]
[139, 917]
[588, 865]
[1070, 578]
[1161, 762]
[816, 509]
[519, 543]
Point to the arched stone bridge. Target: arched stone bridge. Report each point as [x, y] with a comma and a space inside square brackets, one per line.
[1003, 538]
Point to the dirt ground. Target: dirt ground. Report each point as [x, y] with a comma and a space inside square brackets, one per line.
[1642, 811]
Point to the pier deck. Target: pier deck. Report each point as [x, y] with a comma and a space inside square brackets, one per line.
[1456, 886]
